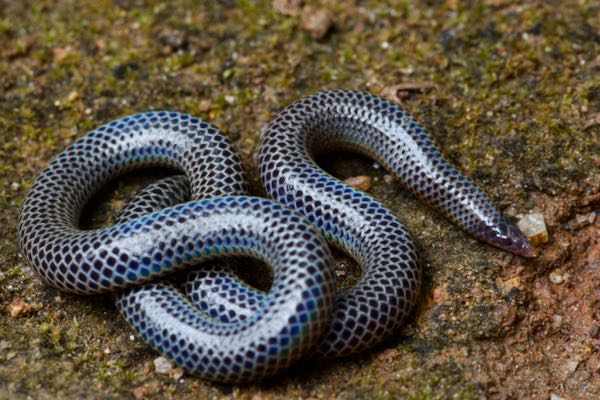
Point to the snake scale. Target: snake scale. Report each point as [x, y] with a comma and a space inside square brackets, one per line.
[221, 328]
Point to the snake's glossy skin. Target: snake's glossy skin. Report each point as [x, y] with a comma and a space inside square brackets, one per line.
[360, 225]
[293, 314]
[242, 333]
[376, 127]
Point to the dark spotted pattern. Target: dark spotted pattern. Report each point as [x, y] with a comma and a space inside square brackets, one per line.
[371, 310]
[283, 325]
[290, 318]
[227, 330]
[378, 128]
[356, 222]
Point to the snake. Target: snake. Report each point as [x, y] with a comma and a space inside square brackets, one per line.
[214, 324]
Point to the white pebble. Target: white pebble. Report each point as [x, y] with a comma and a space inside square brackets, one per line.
[162, 365]
[584, 219]
[556, 277]
[572, 365]
[534, 227]
[556, 397]
[388, 179]
[556, 321]
[229, 99]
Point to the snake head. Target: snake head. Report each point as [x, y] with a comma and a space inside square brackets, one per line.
[506, 236]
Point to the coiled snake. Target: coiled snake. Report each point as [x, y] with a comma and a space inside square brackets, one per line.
[226, 330]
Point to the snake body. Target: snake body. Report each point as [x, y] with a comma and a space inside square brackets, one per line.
[225, 330]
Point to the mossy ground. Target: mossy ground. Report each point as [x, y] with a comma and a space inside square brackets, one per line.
[515, 96]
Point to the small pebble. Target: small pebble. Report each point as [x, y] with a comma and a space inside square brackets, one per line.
[317, 22]
[388, 179]
[162, 365]
[556, 321]
[572, 365]
[176, 373]
[555, 397]
[585, 219]
[556, 277]
[205, 105]
[534, 227]
[288, 7]
[14, 186]
[18, 307]
[61, 53]
[230, 99]
[361, 182]
[72, 96]
[141, 392]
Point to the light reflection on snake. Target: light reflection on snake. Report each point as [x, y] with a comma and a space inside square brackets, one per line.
[226, 330]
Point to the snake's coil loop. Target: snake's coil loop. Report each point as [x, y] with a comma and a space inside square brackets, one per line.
[224, 329]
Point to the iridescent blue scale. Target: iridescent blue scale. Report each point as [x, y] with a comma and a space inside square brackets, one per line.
[222, 328]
